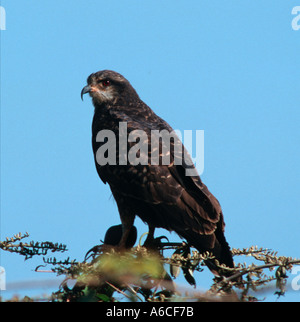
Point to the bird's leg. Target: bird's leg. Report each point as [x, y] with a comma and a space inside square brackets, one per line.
[150, 238]
[127, 220]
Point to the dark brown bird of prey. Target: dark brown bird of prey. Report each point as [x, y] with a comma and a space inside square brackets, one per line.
[162, 195]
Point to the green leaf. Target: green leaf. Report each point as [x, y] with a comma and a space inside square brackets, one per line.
[103, 297]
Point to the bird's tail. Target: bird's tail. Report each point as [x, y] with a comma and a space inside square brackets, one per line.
[220, 250]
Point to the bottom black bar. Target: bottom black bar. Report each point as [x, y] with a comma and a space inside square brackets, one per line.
[137, 311]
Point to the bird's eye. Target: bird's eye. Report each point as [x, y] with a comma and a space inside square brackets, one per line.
[106, 82]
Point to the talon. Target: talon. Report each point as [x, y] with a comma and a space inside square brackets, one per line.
[154, 243]
[94, 250]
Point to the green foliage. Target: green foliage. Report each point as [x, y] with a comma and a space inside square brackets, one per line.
[139, 274]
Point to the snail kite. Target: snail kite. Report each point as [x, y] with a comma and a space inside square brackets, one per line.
[162, 195]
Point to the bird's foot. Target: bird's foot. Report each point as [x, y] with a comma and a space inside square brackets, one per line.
[100, 249]
[152, 243]
[93, 252]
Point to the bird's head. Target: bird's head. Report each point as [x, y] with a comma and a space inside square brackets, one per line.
[108, 87]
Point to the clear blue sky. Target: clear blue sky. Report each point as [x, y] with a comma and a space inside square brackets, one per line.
[230, 68]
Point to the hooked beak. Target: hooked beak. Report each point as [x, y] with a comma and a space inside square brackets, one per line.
[86, 89]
